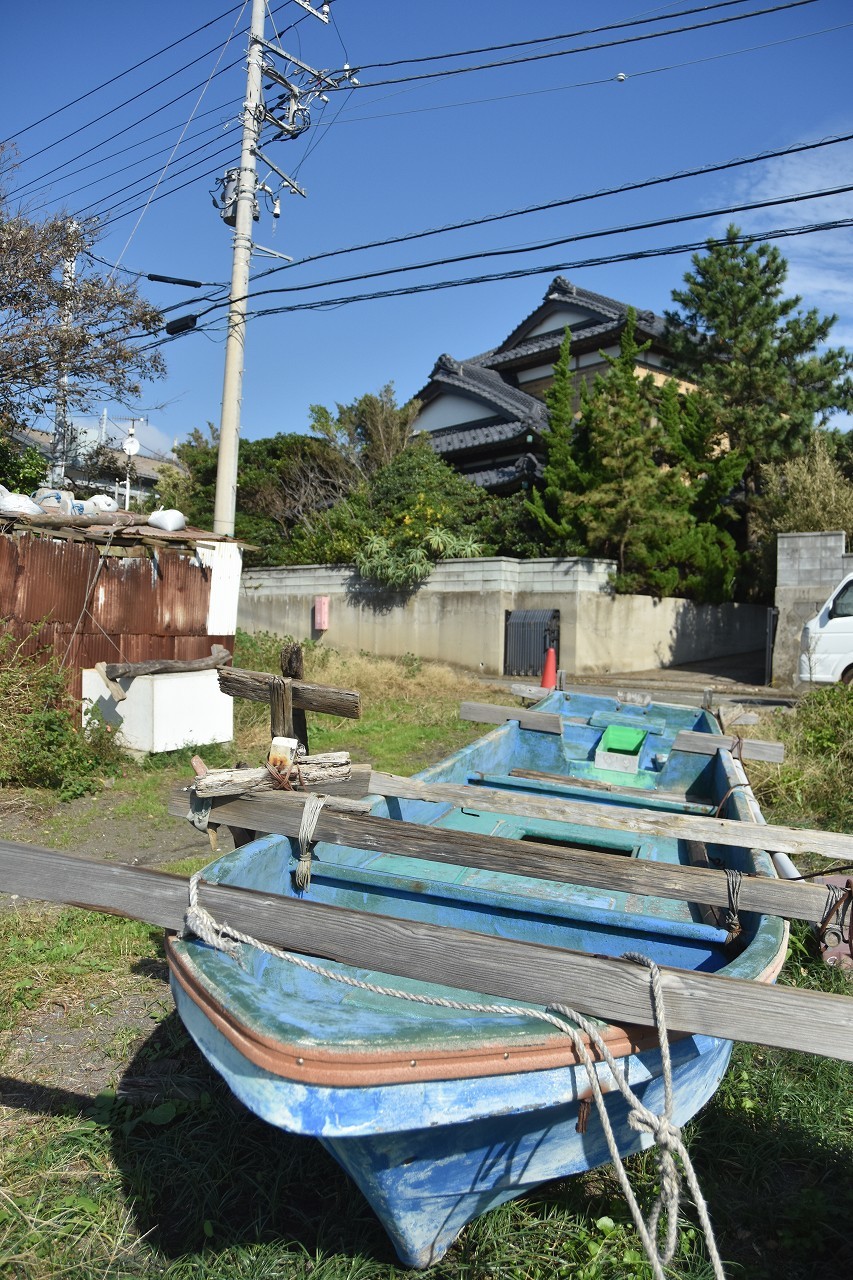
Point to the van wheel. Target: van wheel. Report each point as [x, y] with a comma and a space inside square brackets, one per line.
[847, 677]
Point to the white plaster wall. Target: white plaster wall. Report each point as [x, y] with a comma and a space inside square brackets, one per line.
[458, 615]
[448, 410]
[561, 316]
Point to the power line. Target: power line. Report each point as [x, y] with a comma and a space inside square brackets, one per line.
[606, 44]
[778, 233]
[211, 141]
[519, 273]
[644, 183]
[136, 96]
[566, 35]
[599, 233]
[584, 84]
[119, 76]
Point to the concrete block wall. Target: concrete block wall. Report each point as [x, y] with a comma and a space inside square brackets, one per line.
[808, 566]
[458, 615]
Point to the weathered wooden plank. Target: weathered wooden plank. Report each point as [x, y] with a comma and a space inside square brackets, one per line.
[254, 685]
[281, 707]
[293, 665]
[331, 767]
[532, 692]
[591, 867]
[791, 840]
[610, 788]
[488, 713]
[613, 989]
[156, 666]
[747, 748]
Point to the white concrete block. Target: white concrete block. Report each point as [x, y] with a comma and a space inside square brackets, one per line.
[163, 712]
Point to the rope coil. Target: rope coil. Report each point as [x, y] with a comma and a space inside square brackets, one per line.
[307, 826]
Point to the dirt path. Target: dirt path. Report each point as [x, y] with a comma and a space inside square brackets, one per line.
[118, 825]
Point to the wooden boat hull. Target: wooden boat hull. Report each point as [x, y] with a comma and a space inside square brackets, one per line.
[437, 1114]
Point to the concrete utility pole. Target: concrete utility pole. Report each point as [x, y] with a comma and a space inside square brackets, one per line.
[61, 421]
[289, 119]
[232, 386]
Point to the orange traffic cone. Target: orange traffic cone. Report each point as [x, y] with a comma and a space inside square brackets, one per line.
[549, 670]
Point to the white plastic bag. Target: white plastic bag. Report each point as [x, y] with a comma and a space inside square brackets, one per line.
[171, 521]
[18, 504]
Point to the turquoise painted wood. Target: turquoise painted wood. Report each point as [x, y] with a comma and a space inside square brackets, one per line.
[424, 1107]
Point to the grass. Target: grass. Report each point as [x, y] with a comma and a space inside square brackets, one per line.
[157, 1170]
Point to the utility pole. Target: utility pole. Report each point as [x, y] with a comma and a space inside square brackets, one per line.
[61, 421]
[289, 118]
[225, 502]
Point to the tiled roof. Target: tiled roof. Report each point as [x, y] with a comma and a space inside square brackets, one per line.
[487, 387]
[451, 439]
[612, 314]
[503, 477]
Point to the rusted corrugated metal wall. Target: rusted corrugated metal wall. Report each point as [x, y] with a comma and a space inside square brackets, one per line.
[68, 598]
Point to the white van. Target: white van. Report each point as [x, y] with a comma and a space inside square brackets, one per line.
[826, 643]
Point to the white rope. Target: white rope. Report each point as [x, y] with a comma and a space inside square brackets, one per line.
[310, 813]
[666, 1135]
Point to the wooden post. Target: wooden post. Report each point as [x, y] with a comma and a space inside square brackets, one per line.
[293, 665]
[281, 707]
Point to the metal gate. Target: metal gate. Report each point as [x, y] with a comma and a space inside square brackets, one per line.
[529, 634]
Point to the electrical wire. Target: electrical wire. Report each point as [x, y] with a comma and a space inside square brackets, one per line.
[566, 35]
[134, 98]
[198, 103]
[118, 76]
[587, 84]
[598, 233]
[718, 167]
[102, 200]
[607, 44]
[639, 255]
[701, 171]
[778, 233]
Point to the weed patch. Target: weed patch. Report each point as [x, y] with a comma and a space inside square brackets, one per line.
[40, 745]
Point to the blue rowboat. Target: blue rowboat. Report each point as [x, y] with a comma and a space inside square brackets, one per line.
[439, 1114]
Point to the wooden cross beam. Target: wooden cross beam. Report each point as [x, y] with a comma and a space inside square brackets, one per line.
[288, 697]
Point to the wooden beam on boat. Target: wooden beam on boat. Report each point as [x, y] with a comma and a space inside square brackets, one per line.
[596, 784]
[680, 826]
[612, 989]
[709, 743]
[255, 686]
[489, 713]
[686, 739]
[794, 900]
[325, 769]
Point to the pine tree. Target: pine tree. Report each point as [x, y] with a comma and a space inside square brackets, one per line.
[764, 375]
[619, 482]
[561, 472]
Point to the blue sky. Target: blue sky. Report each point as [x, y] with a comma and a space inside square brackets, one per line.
[384, 161]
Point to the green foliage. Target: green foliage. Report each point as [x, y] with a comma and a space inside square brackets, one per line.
[414, 512]
[562, 474]
[22, 468]
[808, 493]
[368, 433]
[764, 374]
[620, 481]
[40, 744]
[840, 445]
[812, 787]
